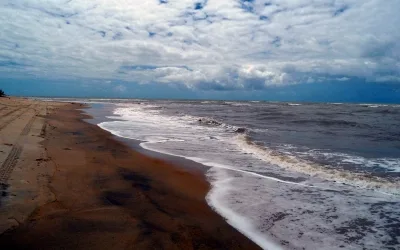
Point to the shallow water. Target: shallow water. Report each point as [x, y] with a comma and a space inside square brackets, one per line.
[287, 175]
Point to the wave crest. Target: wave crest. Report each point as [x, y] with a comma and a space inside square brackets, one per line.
[362, 180]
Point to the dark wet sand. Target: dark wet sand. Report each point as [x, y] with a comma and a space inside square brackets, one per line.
[108, 196]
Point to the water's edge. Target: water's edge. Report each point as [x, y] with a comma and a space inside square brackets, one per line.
[240, 223]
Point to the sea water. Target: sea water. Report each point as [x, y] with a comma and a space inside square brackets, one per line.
[286, 175]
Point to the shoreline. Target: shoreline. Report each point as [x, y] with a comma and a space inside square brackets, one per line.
[135, 144]
[237, 221]
[107, 195]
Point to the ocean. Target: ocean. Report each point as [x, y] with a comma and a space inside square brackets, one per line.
[286, 175]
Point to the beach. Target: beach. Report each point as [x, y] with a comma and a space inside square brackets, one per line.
[200, 124]
[285, 175]
[67, 184]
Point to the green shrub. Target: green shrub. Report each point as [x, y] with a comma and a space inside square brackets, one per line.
[2, 94]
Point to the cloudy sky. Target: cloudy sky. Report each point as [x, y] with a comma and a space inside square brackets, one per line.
[199, 47]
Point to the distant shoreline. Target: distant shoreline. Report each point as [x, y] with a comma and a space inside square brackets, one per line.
[213, 100]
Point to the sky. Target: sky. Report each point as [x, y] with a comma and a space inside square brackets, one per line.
[306, 50]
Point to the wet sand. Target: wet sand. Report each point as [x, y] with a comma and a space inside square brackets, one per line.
[97, 193]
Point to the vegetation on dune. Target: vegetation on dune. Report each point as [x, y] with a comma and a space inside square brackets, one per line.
[2, 94]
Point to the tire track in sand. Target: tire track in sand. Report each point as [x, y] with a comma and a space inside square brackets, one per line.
[11, 111]
[9, 164]
[5, 124]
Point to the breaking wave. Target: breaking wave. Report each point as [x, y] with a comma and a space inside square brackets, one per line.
[290, 162]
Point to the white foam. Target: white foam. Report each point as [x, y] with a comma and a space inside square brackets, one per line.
[296, 164]
[241, 223]
[221, 166]
[369, 105]
[238, 104]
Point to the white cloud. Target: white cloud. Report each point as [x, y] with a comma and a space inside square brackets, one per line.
[221, 44]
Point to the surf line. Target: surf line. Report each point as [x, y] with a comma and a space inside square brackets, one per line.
[216, 165]
[210, 164]
[143, 144]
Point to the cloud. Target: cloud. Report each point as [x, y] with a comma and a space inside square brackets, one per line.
[201, 44]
